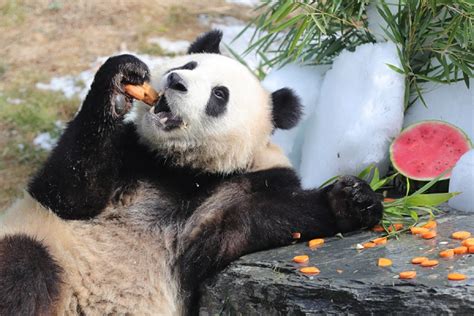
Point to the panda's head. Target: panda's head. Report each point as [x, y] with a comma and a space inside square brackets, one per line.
[214, 113]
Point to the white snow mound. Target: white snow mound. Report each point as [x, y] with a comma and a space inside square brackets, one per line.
[359, 112]
[462, 180]
[306, 82]
[453, 103]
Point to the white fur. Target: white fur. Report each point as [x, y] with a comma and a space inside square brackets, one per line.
[223, 144]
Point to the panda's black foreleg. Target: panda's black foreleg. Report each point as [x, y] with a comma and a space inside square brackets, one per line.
[78, 178]
[266, 218]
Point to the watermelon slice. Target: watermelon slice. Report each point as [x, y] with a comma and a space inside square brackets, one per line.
[426, 149]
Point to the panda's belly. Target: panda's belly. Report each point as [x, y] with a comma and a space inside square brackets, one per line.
[109, 267]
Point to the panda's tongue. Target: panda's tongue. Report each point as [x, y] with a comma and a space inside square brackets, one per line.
[165, 117]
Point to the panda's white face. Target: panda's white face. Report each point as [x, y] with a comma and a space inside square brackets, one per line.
[212, 105]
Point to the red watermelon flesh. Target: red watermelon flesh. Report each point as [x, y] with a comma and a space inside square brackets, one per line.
[425, 150]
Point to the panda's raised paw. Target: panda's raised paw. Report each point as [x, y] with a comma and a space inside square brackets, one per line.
[354, 204]
[111, 78]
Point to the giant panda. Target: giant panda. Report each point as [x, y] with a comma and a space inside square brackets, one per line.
[136, 206]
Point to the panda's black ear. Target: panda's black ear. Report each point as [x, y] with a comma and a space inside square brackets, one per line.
[207, 43]
[287, 108]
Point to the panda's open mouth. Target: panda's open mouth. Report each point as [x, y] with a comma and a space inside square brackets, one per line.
[164, 117]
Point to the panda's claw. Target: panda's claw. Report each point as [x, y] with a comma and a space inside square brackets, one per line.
[354, 204]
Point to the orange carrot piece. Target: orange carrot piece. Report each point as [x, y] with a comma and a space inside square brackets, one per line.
[144, 93]
[456, 276]
[461, 235]
[468, 242]
[460, 250]
[315, 242]
[418, 260]
[407, 275]
[448, 253]
[388, 200]
[430, 225]
[471, 249]
[134, 91]
[380, 241]
[396, 226]
[301, 259]
[296, 235]
[310, 270]
[429, 235]
[418, 230]
[384, 262]
[429, 263]
[378, 229]
[369, 245]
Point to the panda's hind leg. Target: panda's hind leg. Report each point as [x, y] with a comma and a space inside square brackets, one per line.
[30, 278]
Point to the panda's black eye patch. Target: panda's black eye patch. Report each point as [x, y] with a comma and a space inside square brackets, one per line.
[188, 66]
[218, 100]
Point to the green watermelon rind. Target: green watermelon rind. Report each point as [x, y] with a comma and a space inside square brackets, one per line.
[406, 174]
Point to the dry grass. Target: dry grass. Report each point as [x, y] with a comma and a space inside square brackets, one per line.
[44, 38]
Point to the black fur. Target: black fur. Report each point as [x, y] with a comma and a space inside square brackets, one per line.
[287, 109]
[98, 156]
[82, 171]
[30, 279]
[207, 43]
[217, 103]
[188, 66]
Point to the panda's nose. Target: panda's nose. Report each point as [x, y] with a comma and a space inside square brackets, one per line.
[175, 82]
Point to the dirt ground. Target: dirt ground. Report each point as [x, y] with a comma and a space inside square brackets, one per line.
[40, 39]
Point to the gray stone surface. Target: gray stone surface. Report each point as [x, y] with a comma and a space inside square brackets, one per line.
[350, 281]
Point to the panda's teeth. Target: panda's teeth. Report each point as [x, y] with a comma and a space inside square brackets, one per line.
[152, 110]
[163, 120]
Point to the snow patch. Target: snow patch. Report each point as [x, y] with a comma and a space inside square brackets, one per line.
[453, 103]
[175, 47]
[66, 84]
[79, 85]
[45, 141]
[306, 82]
[462, 180]
[359, 112]
[14, 101]
[249, 3]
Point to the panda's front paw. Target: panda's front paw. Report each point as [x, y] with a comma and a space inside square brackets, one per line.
[112, 76]
[354, 204]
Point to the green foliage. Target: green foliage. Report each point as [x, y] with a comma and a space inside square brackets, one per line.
[434, 38]
[409, 208]
[435, 41]
[311, 32]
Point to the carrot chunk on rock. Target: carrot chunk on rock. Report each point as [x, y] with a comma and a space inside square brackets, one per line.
[429, 263]
[384, 262]
[468, 242]
[457, 277]
[448, 253]
[418, 260]
[310, 270]
[378, 229]
[461, 235]
[313, 243]
[460, 250]
[418, 230]
[369, 245]
[301, 259]
[380, 241]
[407, 275]
[430, 225]
[429, 235]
